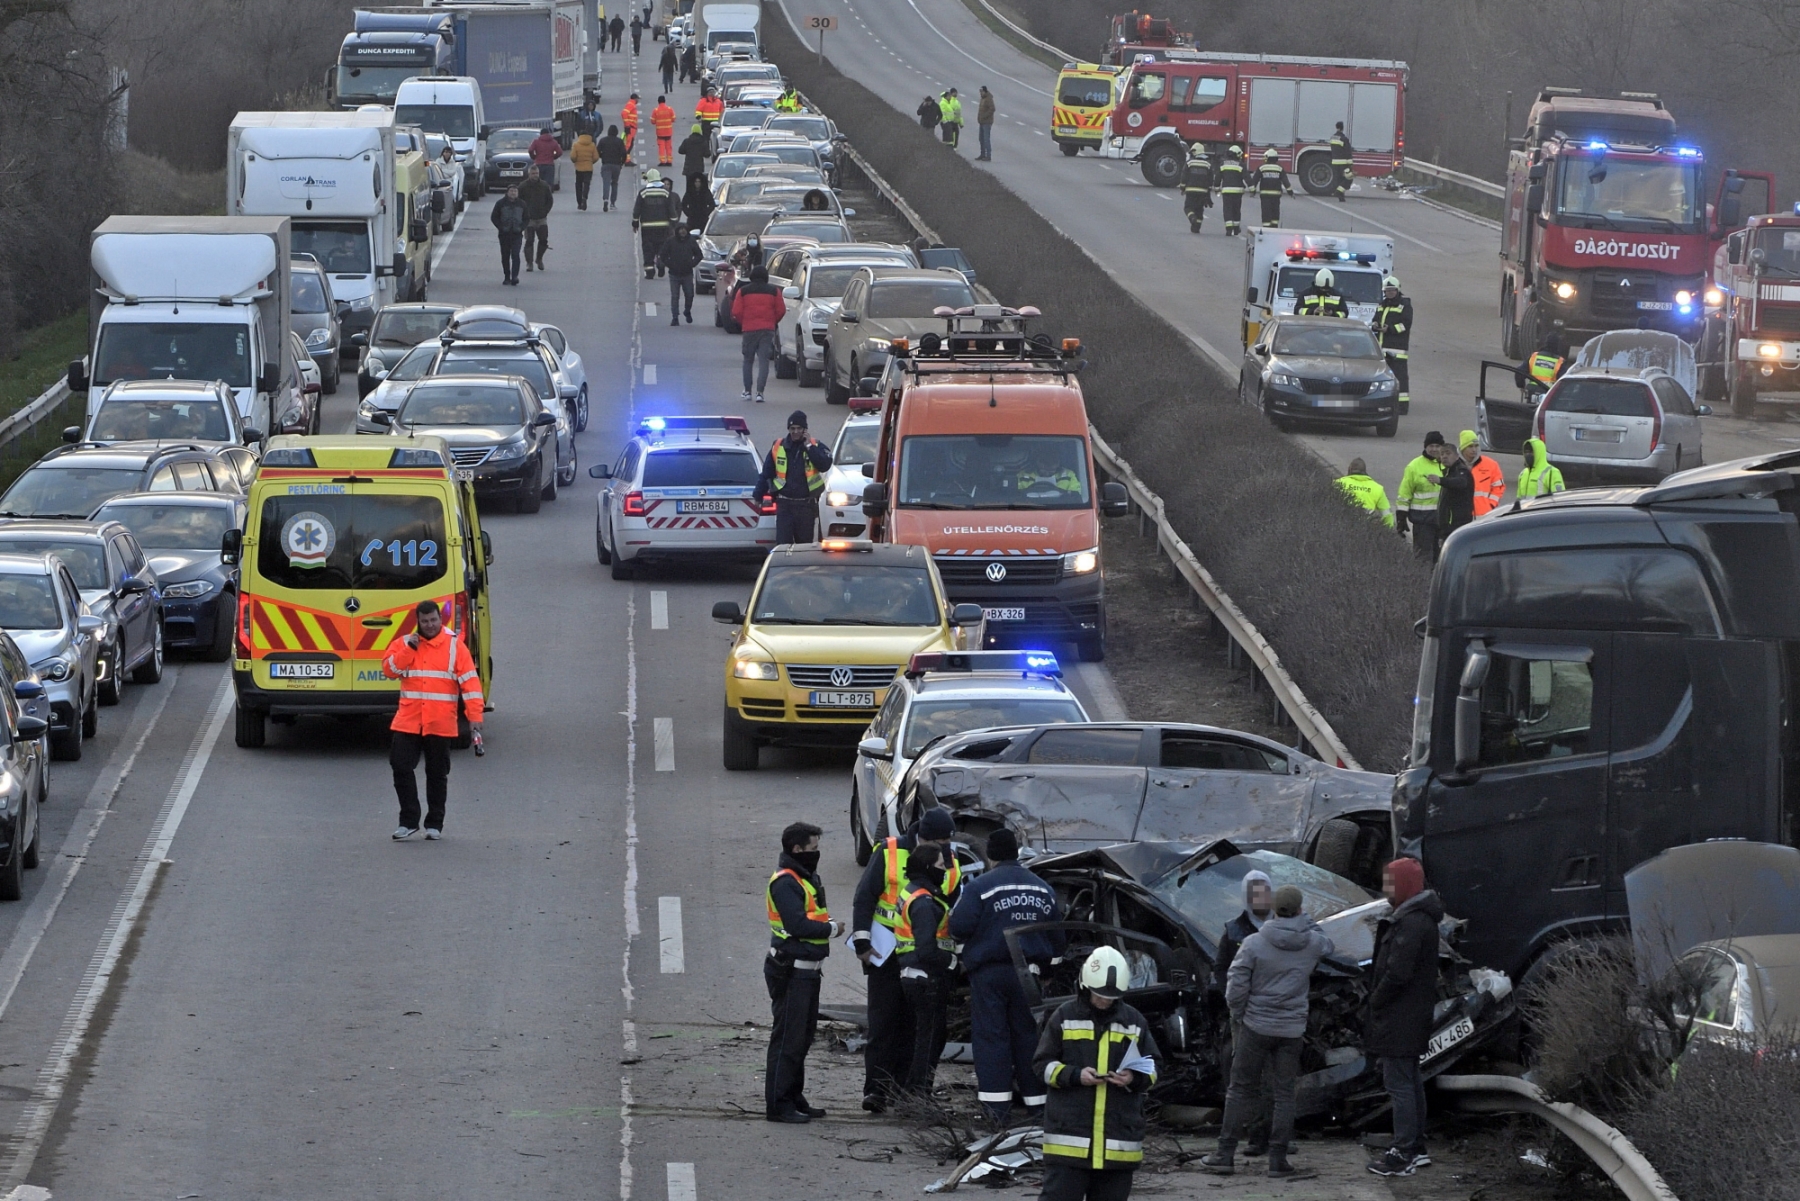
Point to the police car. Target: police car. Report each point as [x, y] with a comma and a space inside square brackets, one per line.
[944, 693]
[683, 487]
[841, 509]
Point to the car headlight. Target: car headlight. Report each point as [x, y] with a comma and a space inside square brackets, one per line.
[372, 362]
[1715, 297]
[1381, 385]
[1282, 379]
[318, 337]
[1769, 350]
[510, 451]
[879, 344]
[1684, 297]
[1081, 562]
[362, 304]
[54, 670]
[367, 409]
[837, 500]
[187, 591]
[755, 669]
[1563, 290]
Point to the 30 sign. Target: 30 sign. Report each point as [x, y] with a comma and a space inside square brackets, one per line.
[822, 24]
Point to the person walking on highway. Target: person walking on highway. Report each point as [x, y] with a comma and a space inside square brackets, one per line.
[1490, 481]
[1097, 1059]
[1322, 299]
[544, 151]
[1267, 992]
[613, 157]
[617, 28]
[984, 125]
[678, 257]
[697, 203]
[927, 958]
[930, 113]
[1231, 190]
[1259, 907]
[637, 35]
[800, 934]
[628, 117]
[1419, 499]
[1365, 493]
[438, 685]
[1196, 186]
[582, 156]
[1540, 477]
[1402, 996]
[952, 123]
[1343, 163]
[653, 216]
[509, 219]
[1393, 327]
[794, 473]
[1002, 1031]
[758, 309]
[690, 64]
[1271, 182]
[874, 916]
[662, 117]
[536, 196]
[668, 63]
[694, 152]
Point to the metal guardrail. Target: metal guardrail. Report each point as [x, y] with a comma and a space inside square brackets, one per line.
[27, 418]
[1035, 41]
[1471, 183]
[1610, 1150]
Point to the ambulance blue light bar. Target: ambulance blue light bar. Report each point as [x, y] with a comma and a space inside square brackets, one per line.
[290, 456]
[1334, 256]
[1034, 663]
[664, 425]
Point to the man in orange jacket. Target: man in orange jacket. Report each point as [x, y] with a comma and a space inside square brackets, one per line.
[628, 117]
[708, 111]
[663, 117]
[437, 680]
[1490, 481]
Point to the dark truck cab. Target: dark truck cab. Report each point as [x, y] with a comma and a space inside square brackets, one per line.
[1606, 673]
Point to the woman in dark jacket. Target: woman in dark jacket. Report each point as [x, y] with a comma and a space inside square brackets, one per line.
[1402, 993]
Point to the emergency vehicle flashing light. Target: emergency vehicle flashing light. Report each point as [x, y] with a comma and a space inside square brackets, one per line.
[1298, 254]
[290, 456]
[663, 425]
[1031, 663]
[840, 544]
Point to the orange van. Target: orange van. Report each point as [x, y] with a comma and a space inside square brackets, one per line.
[984, 460]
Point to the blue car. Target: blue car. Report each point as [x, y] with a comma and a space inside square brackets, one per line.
[181, 532]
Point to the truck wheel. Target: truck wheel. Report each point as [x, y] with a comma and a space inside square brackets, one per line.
[1509, 333]
[1528, 332]
[1317, 175]
[1743, 395]
[1335, 849]
[1092, 649]
[1069, 149]
[739, 750]
[1162, 165]
[252, 727]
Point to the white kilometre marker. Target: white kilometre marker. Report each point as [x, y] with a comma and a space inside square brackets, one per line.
[665, 743]
[659, 610]
[668, 934]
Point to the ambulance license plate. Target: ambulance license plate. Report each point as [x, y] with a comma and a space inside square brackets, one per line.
[302, 671]
[702, 506]
[1003, 614]
[1448, 1037]
[843, 700]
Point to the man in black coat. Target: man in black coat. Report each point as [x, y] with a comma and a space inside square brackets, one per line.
[930, 113]
[697, 204]
[800, 934]
[509, 220]
[1402, 993]
[616, 27]
[694, 152]
[613, 157]
[671, 59]
[679, 256]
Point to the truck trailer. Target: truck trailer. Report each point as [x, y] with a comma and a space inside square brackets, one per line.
[722, 21]
[527, 57]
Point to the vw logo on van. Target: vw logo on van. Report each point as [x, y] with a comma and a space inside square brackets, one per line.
[842, 677]
[996, 572]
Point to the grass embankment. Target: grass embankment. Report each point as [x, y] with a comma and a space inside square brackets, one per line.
[43, 359]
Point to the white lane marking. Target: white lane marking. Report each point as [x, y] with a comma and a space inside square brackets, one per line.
[1099, 681]
[628, 1027]
[668, 934]
[73, 854]
[53, 1076]
[650, 368]
[649, 311]
[664, 739]
[1344, 209]
[914, 5]
[443, 248]
[681, 1182]
[659, 610]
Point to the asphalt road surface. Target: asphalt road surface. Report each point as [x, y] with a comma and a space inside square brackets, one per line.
[1448, 261]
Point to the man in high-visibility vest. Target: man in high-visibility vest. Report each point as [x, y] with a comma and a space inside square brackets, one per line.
[788, 101]
[708, 109]
[1419, 498]
[663, 118]
[1393, 328]
[1271, 183]
[1365, 493]
[874, 916]
[438, 684]
[794, 474]
[628, 117]
[1196, 186]
[800, 934]
[1490, 481]
[927, 957]
[951, 122]
[1231, 190]
[1343, 163]
[1540, 476]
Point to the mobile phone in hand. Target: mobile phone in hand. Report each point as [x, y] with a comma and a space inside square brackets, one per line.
[475, 740]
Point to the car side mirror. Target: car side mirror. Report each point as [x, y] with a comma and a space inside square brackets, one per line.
[791, 292]
[417, 232]
[850, 317]
[600, 471]
[1115, 501]
[965, 615]
[31, 728]
[1534, 198]
[542, 420]
[78, 376]
[875, 499]
[487, 548]
[728, 613]
[1250, 296]
[1703, 410]
[313, 389]
[437, 203]
[26, 690]
[868, 470]
[379, 374]
[270, 379]
[1260, 350]
[868, 384]
[1468, 708]
[400, 260]
[849, 212]
[87, 623]
[133, 584]
[875, 748]
[569, 392]
[381, 417]
[252, 435]
[358, 340]
[71, 433]
[231, 546]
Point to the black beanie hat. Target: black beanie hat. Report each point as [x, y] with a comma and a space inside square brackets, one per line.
[797, 417]
[1002, 846]
[936, 823]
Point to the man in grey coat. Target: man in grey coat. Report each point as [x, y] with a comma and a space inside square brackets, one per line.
[1267, 991]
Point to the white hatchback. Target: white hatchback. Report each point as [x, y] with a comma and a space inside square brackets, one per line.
[841, 513]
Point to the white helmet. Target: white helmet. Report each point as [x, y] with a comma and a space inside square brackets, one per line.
[1323, 278]
[1106, 973]
[1271, 154]
[1392, 281]
[1235, 151]
[1197, 150]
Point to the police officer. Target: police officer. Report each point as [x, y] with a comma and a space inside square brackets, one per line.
[1005, 896]
[927, 958]
[1393, 326]
[1419, 498]
[800, 934]
[1365, 493]
[1045, 477]
[1271, 182]
[1322, 299]
[875, 914]
[1196, 186]
[1343, 163]
[1231, 189]
[796, 493]
[788, 101]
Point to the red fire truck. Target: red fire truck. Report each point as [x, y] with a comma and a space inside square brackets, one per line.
[1134, 33]
[1759, 279]
[1607, 223]
[1170, 100]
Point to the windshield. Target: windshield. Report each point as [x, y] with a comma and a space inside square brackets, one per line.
[168, 350]
[171, 526]
[529, 368]
[462, 404]
[1615, 397]
[828, 283]
[812, 128]
[414, 365]
[1210, 898]
[917, 298]
[1610, 190]
[935, 719]
[342, 247]
[752, 118]
[351, 541]
[1781, 250]
[505, 141]
[851, 593]
[403, 327]
[856, 445]
[797, 153]
[52, 491]
[454, 120]
[993, 471]
[28, 602]
[86, 560]
[819, 231]
[309, 293]
[1357, 287]
[701, 469]
[725, 226]
[365, 84]
[731, 166]
[122, 419]
[1075, 92]
[1347, 341]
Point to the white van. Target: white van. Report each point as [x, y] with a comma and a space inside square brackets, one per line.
[450, 105]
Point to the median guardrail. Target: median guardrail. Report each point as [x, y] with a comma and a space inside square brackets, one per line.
[22, 422]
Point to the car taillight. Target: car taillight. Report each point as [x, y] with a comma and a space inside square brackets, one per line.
[634, 504]
[1656, 416]
[243, 626]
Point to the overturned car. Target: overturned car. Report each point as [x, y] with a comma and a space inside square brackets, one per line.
[1166, 905]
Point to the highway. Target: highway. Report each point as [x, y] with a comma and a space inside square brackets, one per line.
[1446, 260]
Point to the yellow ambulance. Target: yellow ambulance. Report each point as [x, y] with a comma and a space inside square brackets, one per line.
[1085, 94]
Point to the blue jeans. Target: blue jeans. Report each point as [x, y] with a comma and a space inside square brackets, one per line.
[987, 140]
[1405, 1084]
[759, 348]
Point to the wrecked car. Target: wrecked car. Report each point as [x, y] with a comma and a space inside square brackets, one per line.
[1166, 905]
[1065, 788]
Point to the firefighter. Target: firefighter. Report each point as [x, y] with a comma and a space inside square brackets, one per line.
[653, 216]
[1271, 182]
[1231, 189]
[1322, 299]
[1393, 326]
[1196, 186]
[1342, 162]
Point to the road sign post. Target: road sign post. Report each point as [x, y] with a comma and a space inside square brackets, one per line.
[821, 24]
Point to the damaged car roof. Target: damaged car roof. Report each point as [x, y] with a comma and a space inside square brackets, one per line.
[1708, 891]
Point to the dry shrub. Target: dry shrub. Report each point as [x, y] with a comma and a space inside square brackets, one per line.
[1591, 1048]
[153, 187]
[1334, 592]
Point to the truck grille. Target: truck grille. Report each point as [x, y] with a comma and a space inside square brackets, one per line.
[1773, 320]
[1325, 387]
[810, 675]
[1021, 571]
[1617, 303]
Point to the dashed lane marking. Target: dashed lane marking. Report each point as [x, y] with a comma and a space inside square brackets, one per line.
[664, 736]
[659, 610]
[681, 1182]
[668, 934]
[649, 311]
[1344, 209]
[650, 368]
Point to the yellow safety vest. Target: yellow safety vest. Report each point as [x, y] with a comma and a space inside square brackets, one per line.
[893, 867]
[1231, 178]
[1369, 494]
[814, 910]
[814, 481]
[789, 103]
[1544, 368]
[1317, 304]
[1065, 480]
[905, 941]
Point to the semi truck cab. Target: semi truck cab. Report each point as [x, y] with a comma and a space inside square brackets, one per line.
[384, 48]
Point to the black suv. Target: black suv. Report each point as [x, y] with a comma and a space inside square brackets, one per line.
[73, 481]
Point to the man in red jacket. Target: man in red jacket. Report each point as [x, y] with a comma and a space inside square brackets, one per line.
[437, 681]
[544, 151]
[758, 309]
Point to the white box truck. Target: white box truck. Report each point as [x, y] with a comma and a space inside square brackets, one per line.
[449, 105]
[334, 174]
[195, 298]
[1279, 266]
[721, 21]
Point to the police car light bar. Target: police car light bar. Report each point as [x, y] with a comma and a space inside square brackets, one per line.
[1039, 663]
[663, 425]
[1337, 256]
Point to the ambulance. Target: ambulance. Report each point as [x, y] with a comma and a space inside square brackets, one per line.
[1085, 95]
[1279, 266]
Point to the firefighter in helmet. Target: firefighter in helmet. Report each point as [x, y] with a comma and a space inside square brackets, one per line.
[1271, 182]
[1322, 299]
[1393, 326]
[1231, 189]
[1196, 186]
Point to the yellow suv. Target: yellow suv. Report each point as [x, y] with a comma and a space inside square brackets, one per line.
[830, 625]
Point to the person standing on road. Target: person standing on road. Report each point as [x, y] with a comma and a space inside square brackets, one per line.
[509, 219]
[613, 157]
[1271, 182]
[1402, 995]
[628, 117]
[758, 309]
[544, 151]
[617, 28]
[952, 123]
[637, 35]
[1197, 186]
[1456, 493]
[1322, 299]
[1393, 327]
[789, 100]
[930, 113]
[1343, 163]
[438, 684]
[1231, 190]
[1419, 499]
[707, 110]
[662, 117]
[582, 156]
[653, 216]
[694, 152]
[800, 934]
[1268, 991]
[1539, 477]
[984, 125]
[1003, 1034]
[1490, 481]
[927, 958]
[874, 916]
[668, 63]
[1259, 907]
[535, 195]
[679, 256]
[697, 204]
[690, 64]
[1365, 493]
[1098, 1059]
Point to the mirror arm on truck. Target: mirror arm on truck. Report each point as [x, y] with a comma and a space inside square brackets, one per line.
[1468, 709]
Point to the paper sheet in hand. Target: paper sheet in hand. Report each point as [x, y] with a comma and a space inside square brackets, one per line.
[1137, 1061]
[881, 944]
